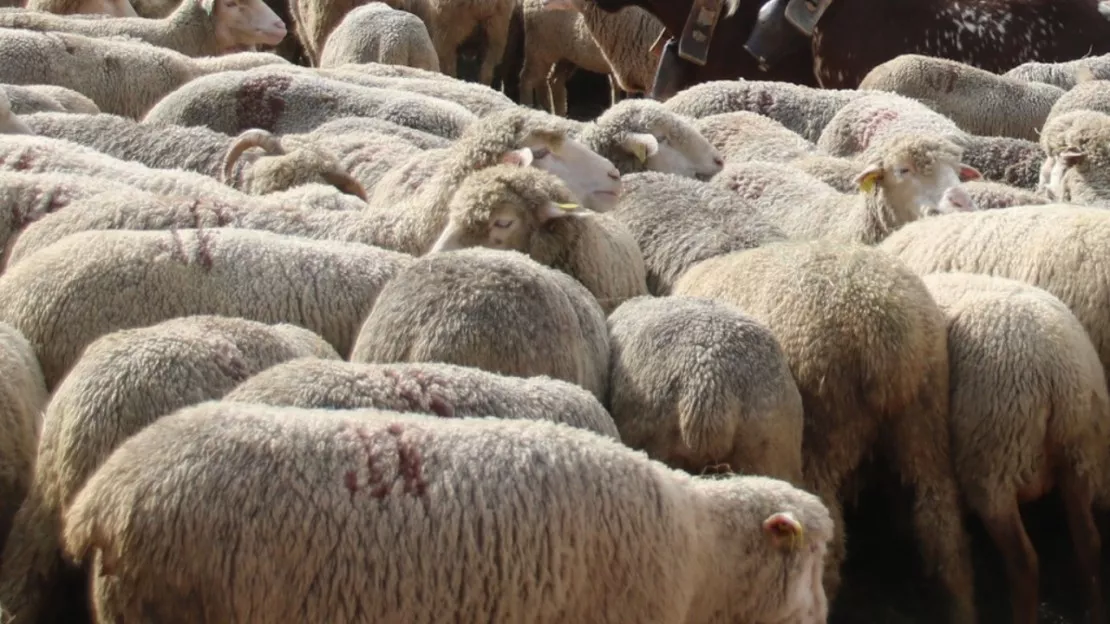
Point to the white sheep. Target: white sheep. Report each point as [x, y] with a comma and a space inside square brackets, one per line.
[92, 67]
[1000, 159]
[624, 38]
[1066, 74]
[1077, 146]
[125, 381]
[642, 135]
[1055, 247]
[902, 180]
[451, 22]
[1030, 413]
[36, 154]
[876, 117]
[468, 307]
[514, 505]
[10, 123]
[867, 347]
[531, 211]
[986, 195]
[1089, 95]
[742, 136]
[695, 384]
[195, 28]
[979, 101]
[478, 99]
[803, 110]
[679, 222]
[28, 99]
[441, 390]
[23, 396]
[286, 102]
[375, 33]
[346, 126]
[278, 164]
[66, 295]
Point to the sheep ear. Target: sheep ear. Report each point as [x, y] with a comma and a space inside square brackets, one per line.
[521, 157]
[449, 239]
[640, 145]
[784, 531]
[867, 179]
[967, 172]
[554, 210]
[1072, 156]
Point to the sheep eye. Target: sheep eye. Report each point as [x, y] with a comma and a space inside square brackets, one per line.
[902, 171]
[540, 152]
[502, 223]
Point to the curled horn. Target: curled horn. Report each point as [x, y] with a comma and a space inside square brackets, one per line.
[346, 183]
[255, 137]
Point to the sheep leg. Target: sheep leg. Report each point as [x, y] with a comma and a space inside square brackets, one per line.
[1008, 534]
[531, 76]
[922, 453]
[557, 84]
[1085, 539]
[497, 36]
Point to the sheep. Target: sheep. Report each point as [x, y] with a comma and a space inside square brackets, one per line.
[525, 487]
[531, 211]
[695, 384]
[376, 33]
[642, 135]
[89, 8]
[91, 67]
[839, 173]
[679, 222]
[978, 101]
[1055, 247]
[624, 38]
[195, 28]
[1076, 144]
[66, 295]
[451, 22]
[902, 180]
[277, 166]
[1064, 75]
[346, 126]
[478, 99]
[867, 347]
[1030, 412]
[555, 43]
[1090, 95]
[125, 381]
[22, 397]
[801, 109]
[36, 154]
[877, 117]
[442, 390]
[10, 123]
[1011, 161]
[284, 103]
[985, 195]
[466, 307]
[517, 136]
[25, 100]
[742, 136]
[26, 197]
[133, 209]
[367, 157]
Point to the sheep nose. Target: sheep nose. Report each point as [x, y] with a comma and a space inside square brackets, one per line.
[614, 174]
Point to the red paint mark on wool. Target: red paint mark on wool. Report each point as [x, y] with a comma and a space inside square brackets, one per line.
[261, 101]
[26, 159]
[875, 123]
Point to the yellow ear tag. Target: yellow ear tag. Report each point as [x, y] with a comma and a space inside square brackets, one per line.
[639, 150]
[867, 184]
[568, 207]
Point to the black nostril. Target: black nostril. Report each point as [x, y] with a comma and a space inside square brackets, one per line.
[717, 160]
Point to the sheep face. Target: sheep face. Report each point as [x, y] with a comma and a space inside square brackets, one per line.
[1074, 177]
[915, 174]
[503, 207]
[675, 149]
[242, 23]
[591, 177]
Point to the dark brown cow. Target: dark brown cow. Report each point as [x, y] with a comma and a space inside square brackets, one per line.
[853, 36]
